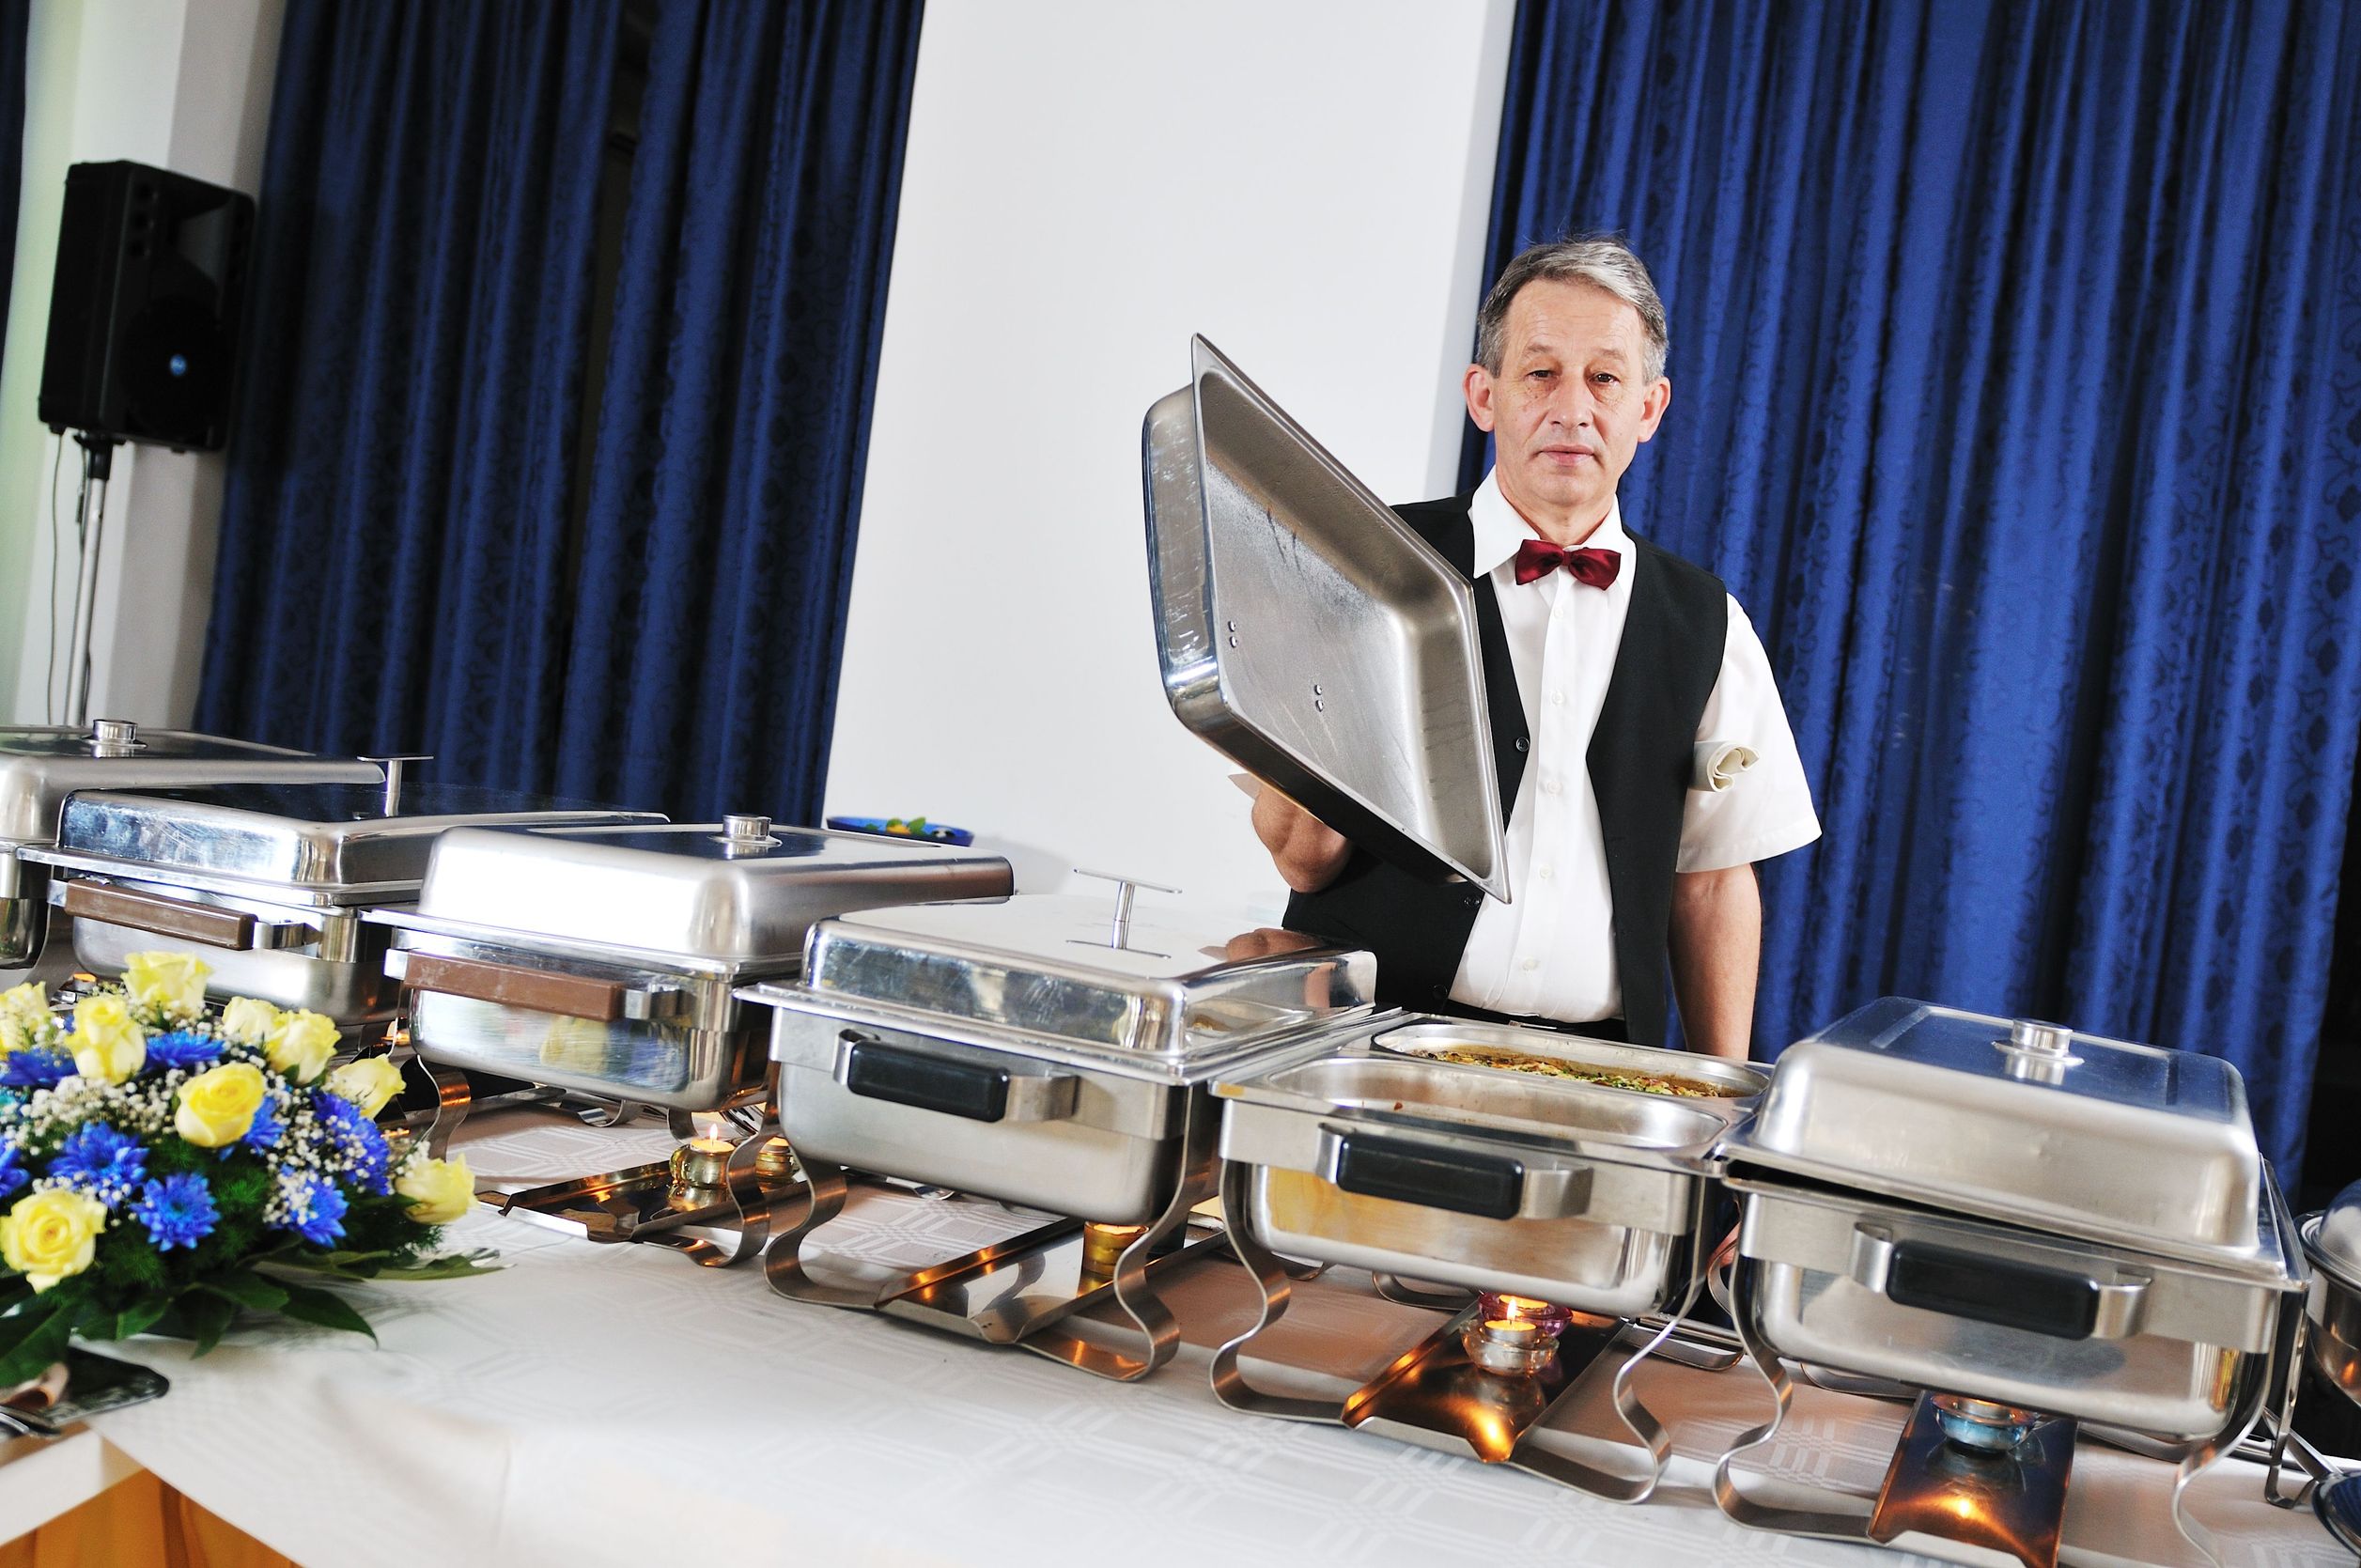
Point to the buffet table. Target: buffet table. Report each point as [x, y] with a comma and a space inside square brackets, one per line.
[595, 1404]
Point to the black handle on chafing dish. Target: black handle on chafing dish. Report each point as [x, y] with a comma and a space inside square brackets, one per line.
[1434, 1178]
[877, 1071]
[2040, 1300]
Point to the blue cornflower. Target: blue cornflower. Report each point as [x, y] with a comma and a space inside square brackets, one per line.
[13, 1172]
[319, 1212]
[99, 1160]
[177, 1211]
[182, 1048]
[344, 1130]
[36, 1067]
[268, 1128]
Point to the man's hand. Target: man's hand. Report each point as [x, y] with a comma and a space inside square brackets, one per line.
[1308, 853]
[1716, 943]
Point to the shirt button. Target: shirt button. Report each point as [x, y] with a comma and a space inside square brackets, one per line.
[1530, 964]
[1475, 901]
[1557, 699]
[1549, 786]
[1545, 874]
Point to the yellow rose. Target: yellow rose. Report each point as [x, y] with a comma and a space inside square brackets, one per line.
[218, 1105]
[369, 1083]
[106, 1043]
[52, 1235]
[249, 1022]
[172, 982]
[439, 1190]
[23, 1010]
[301, 1044]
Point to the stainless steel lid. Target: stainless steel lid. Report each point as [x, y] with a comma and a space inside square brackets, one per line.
[1311, 636]
[40, 767]
[704, 896]
[1065, 969]
[2333, 1239]
[2028, 1123]
[324, 844]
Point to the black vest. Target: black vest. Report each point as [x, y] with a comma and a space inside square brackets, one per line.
[1639, 760]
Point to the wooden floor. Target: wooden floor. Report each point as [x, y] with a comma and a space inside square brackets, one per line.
[138, 1523]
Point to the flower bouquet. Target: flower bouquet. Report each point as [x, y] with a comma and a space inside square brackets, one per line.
[164, 1169]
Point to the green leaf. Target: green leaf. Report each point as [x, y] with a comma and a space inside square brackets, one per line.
[206, 1315]
[29, 1319]
[138, 1319]
[35, 1351]
[325, 1307]
[251, 1290]
[451, 1265]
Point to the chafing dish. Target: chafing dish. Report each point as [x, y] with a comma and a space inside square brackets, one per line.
[1049, 1051]
[40, 767]
[270, 881]
[603, 959]
[1373, 1153]
[2332, 1346]
[1307, 633]
[2013, 1213]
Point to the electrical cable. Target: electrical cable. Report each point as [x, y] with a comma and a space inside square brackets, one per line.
[48, 682]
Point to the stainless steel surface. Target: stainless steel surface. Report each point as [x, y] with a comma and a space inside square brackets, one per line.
[1311, 636]
[2105, 1140]
[2332, 1239]
[1588, 1197]
[2066, 1326]
[317, 844]
[40, 767]
[2332, 1299]
[603, 960]
[685, 891]
[1155, 997]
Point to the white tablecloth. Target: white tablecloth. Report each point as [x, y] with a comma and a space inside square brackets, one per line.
[619, 1405]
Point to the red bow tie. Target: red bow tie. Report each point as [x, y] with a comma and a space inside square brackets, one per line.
[1538, 558]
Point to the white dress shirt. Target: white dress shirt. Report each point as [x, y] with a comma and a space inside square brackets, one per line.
[1551, 952]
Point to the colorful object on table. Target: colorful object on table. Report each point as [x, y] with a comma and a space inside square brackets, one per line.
[896, 826]
[162, 1169]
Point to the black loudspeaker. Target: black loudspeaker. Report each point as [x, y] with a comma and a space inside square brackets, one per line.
[143, 320]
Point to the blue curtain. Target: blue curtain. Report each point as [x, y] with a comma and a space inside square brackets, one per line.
[408, 559]
[14, 16]
[393, 559]
[2016, 363]
[719, 545]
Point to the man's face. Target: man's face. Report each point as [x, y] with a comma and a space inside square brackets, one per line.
[1568, 408]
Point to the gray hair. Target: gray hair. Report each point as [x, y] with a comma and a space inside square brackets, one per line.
[1601, 260]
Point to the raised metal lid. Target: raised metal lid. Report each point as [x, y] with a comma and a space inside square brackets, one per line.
[1309, 635]
[329, 842]
[1062, 967]
[737, 891]
[40, 766]
[2028, 1123]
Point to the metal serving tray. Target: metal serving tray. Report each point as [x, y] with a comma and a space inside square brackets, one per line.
[1311, 636]
[603, 960]
[2030, 1125]
[1587, 1196]
[1738, 1085]
[40, 768]
[268, 879]
[1064, 978]
[2110, 1335]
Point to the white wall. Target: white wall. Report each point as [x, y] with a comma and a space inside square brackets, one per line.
[183, 85]
[1085, 186]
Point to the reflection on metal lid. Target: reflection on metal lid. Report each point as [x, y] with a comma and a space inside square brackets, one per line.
[40, 767]
[1308, 634]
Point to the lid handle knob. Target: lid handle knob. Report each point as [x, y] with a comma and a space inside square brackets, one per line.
[392, 767]
[1125, 887]
[746, 831]
[2041, 1039]
[114, 737]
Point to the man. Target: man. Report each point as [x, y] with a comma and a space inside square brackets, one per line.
[1607, 662]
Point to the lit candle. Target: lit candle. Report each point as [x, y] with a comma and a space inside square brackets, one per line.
[702, 1162]
[1103, 1246]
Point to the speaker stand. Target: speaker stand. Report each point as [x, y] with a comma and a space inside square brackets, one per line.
[98, 466]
